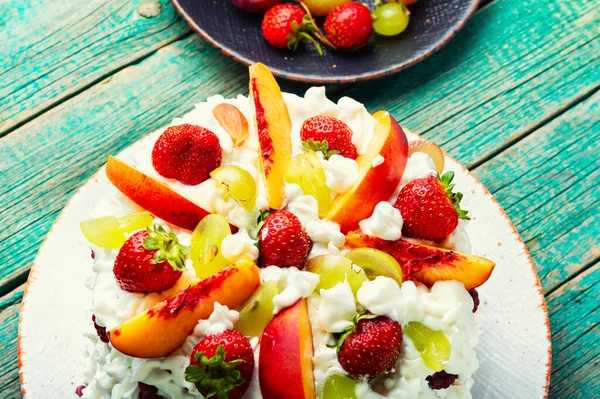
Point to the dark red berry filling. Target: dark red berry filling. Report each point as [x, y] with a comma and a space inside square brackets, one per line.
[101, 331]
[148, 391]
[441, 380]
[475, 295]
[79, 390]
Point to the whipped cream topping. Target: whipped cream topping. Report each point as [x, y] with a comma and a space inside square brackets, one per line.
[239, 245]
[341, 173]
[337, 308]
[418, 165]
[293, 285]
[385, 222]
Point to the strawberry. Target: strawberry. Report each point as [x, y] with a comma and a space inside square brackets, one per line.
[150, 261]
[283, 241]
[429, 208]
[187, 153]
[371, 346]
[286, 26]
[329, 135]
[221, 365]
[349, 25]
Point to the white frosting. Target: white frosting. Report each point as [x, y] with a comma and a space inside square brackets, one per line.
[293, 284]
[337, 308]
[239, 245]
[341, 173]
[385, 222]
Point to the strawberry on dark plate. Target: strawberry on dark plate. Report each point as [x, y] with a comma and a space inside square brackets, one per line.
[349, 25]
[283, 241]
[371, 346]
[150, 261]
[429, 208]
[286, 26]
[187, 153]
[329, 135]
[221, 365]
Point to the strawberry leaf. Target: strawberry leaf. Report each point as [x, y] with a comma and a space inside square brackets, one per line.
[167, 247]
[215, 377]
[455, 198]
[302, 33]
[323, 146]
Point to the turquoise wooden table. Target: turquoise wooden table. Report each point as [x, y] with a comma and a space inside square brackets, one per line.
[514, 97]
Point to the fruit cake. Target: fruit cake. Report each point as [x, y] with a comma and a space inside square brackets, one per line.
[278, 246]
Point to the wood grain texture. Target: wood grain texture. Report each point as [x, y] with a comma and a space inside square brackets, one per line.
[514, 66]
[575, 322]
[9, 320]
[50, 51]
[548, 184]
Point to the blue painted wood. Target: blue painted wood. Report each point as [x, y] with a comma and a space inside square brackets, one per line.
[9, 319]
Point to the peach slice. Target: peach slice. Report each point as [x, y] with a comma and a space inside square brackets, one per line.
[429, 264]
[153, 195]
[285, 367]
[163, 328]
[233, 121]
[375, 184]
[273, 127]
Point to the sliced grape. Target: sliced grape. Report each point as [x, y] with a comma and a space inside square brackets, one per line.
[433, 150]
[433, 345]
[391, 19]
[238, 182]
[111, 232]
[333, 269]
[376, 263]
[307, 171]
[338, 386]
[257, 311]
[205, 244]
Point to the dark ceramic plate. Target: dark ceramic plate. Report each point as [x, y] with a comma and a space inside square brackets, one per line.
[237, 34]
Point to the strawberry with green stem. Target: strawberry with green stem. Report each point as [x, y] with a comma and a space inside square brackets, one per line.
[287, 26]
[329, 135]
[429, 207]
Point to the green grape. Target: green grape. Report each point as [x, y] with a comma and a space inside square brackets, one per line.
[338, 387]
[391, 19]
[433, 345]
[206, 240]
[257, 311]
[110, 232]
[238, 182]
[307, 171]
[333, 269]
[376, 263]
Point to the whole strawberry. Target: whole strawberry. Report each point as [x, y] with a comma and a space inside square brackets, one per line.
[150, 261]
[429, 208]
[286, 26]
[329, 135]
[187, 153]
[349, 25]
[371, 346]
[221, 365]
[283, 241]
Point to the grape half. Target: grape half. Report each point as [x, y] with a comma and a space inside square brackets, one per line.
[257, 311]
[376, 263]
[238, 182]
[338, 386]
[206, 240]
[433, 345]
[333, 269]
[391, 19]
[110, 232]
[307, 171]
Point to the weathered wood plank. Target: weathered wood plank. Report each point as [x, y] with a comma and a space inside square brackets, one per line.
[548, 183]
[9, 320]
[575, 320]
[50, 51]
[515, 65]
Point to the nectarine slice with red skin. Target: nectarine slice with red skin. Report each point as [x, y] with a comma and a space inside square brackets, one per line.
[273, 127]
[285, 367]
[154, 196]
[429, 264]
[164, 327]
[375, 184]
